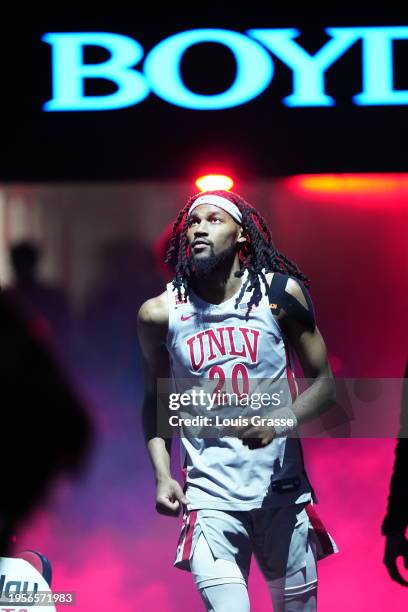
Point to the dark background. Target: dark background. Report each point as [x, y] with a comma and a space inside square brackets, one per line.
[154, 139]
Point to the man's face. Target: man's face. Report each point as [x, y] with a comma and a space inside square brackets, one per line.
[213, 236]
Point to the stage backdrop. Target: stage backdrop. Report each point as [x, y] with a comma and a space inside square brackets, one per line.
[100, 244]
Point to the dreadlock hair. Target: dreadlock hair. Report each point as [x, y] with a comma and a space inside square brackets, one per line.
[257, 254]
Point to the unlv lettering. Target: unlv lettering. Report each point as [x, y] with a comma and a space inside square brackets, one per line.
[210, 344]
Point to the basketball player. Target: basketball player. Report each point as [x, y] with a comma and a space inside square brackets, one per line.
[236, 304]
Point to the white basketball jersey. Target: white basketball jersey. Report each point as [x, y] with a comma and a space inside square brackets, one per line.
[203, 338]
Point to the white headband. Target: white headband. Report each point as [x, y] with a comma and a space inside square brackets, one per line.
[219, 201]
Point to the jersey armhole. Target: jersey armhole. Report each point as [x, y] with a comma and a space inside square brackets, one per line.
[170, 327]
[278, 284]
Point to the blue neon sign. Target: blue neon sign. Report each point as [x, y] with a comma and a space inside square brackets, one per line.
[253, 52]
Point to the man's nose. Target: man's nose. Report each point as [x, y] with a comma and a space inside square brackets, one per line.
[201, 228]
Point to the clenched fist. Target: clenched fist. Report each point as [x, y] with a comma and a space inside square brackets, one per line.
[169, 497]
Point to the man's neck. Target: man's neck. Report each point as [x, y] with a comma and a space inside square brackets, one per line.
[219, 286]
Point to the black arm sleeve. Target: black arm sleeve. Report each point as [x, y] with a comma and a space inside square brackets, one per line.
[279, 298]
[396, 519]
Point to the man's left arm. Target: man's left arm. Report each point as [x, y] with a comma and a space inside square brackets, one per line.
[297, 321]
[295, 316]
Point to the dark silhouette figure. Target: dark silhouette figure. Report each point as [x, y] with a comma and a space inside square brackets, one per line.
[46, 306]
[396, 519]
[45, 428]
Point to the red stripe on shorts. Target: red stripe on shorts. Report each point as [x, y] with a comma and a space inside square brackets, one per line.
[320, 530]
[189, 535]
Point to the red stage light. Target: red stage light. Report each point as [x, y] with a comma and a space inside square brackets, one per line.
[376, 184]
[210, 182]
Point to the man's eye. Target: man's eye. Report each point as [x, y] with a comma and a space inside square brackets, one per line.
[194, 221]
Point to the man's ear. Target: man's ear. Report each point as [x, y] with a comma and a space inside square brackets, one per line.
[242, 237]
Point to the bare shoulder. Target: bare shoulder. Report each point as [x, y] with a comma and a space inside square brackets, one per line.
[269, 277]
[154, 312]
[294, 289]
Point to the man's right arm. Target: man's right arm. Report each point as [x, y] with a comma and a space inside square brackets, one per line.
[152, 325]
[396, 520]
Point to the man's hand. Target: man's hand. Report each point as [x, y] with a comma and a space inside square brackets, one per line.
[169, 497]
[396, 546]
[256, 437]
